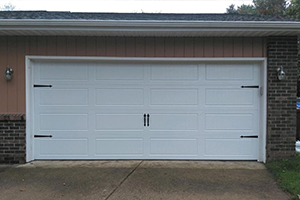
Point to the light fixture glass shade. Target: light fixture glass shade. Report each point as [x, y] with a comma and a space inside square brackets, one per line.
[8, 73]
[281, 74]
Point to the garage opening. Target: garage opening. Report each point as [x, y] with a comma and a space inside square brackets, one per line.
[199, 110]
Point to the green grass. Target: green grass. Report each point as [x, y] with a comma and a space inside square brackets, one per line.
[287, 173]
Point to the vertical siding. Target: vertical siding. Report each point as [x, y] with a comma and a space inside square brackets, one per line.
[208, 47]
[12, 86]
[150, 47]
[130, 47]
[91, 46]
[100, 46]
[3, 83]
[248, 52]
[41, 45]
[21, 51]
[228, 47]
[71, 46]
[218, 47]
[238, 47]
[199, 47]
[179, 47]
[61, 47]
[80, 46]
[110, 46]
[51, 46]
[169, 47]
[189, 47]
[121, 47]
[32, 45]
[14, 49]
[159, 46]
[258, 47]
[140, 47]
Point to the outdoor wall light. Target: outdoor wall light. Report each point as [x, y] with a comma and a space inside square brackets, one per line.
[8, 73]
[280, 74]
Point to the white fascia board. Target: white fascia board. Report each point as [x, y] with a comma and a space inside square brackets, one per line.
[146, 25]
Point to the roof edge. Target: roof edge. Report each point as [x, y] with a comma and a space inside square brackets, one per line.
[147, 23]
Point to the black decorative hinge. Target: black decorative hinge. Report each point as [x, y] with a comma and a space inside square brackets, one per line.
[249, 136]
[43, 136]
[42, 86]
[250, 86]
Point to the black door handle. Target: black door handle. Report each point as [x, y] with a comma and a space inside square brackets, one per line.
[144, 119]
[148, 120]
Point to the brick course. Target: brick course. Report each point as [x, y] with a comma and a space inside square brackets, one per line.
[281, 119]
[12, 139]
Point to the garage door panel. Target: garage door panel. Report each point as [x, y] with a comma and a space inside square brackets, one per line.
[63, 97]
[196, 111]
[232, 72]
[229, 121]
[127, 147]
[173, 122]
[174, 97]
[119, 122]
[174, 72]
[63, 147]
[173, 147]
[119, 96]
[63, 122]
[63, 72]
[229, 97]
[117, 71]
[230, 147]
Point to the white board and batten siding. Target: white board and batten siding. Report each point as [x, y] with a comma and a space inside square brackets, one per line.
[99, 110]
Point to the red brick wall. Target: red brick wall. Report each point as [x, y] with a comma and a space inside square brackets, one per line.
[281, 133]
[12, 139]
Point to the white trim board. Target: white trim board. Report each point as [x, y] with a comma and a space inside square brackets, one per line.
[29, 87]
[147, 27]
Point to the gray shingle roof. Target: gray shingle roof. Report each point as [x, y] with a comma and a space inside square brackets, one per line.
[135, 16]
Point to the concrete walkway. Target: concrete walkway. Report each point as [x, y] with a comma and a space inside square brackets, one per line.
[143, 180]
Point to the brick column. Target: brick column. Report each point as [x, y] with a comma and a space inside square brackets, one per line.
[281, 121]
[12, 139]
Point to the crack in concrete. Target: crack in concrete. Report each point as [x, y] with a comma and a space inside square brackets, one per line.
[123, 181]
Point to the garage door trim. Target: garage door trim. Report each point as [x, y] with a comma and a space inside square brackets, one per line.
[29, 89]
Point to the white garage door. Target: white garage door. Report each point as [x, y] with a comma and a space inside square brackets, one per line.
[115, 110]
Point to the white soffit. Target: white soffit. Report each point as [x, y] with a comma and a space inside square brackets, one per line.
[148, 28]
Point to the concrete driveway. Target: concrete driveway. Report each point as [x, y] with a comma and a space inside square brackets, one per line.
[138, 180]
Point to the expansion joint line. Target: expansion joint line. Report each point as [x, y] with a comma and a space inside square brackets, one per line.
[123, 181]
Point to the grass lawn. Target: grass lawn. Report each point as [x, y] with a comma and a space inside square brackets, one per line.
[287, 173]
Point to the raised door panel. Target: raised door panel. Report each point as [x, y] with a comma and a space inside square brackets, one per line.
[119, 97]
[119, 122]
[119, 71]
[62, 72]
[174, 72]
[172, 96]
